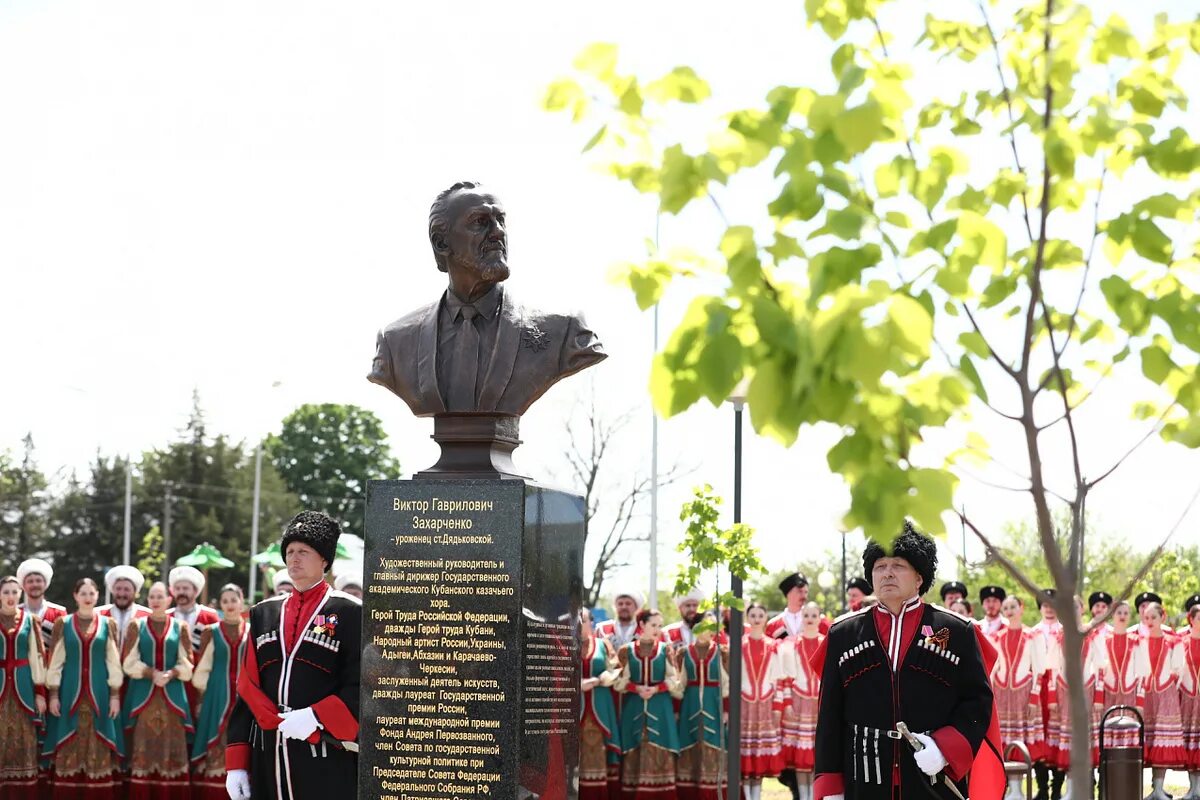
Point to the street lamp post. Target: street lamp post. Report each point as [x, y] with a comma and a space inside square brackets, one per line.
[734, 769]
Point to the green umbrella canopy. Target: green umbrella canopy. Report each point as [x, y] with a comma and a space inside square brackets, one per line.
[205, 556]
[273, 555]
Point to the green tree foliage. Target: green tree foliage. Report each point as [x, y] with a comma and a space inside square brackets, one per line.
[25, 506]
[88, 524]
[708, 547]
[208, 484]
[327, 452]
[996, 214]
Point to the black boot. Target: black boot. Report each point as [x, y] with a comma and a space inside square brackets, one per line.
[1041, 775]
[1056, 786]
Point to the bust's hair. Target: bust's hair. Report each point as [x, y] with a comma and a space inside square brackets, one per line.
[438, 224]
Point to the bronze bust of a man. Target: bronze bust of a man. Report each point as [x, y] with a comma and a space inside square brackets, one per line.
[476, 349]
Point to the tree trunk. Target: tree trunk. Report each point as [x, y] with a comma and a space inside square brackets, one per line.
[1077, 696]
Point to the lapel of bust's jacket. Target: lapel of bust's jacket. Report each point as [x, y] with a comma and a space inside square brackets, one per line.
[503, 356]
[427, 338]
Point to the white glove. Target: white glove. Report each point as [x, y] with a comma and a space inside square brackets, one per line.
[237, 784]
[930, 760]
[298, 724]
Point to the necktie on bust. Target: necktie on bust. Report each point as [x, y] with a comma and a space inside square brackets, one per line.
[466, 361]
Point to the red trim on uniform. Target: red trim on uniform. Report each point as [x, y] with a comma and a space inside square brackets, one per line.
[337, 719]
[956, 749]
[266, 713]
[237, 756]
[828, 783]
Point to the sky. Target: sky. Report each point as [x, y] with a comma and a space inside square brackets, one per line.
[231, 198]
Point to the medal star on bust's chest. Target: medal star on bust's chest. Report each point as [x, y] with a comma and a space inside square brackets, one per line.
[534, 338]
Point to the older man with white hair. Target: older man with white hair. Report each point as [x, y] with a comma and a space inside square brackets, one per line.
[124, 584]
[624, 629]
[35, 576]
[186, 585]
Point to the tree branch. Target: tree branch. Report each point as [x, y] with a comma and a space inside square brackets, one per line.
[1011, 568]
[1012, 119]
[1153, 429]
[1012, 373]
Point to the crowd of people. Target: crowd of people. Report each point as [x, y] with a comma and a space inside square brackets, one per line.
[655, 697]
[120, 700]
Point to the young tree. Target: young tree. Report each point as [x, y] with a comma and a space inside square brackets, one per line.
[1003, 244]
[327, 452]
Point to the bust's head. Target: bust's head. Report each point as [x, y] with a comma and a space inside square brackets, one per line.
[468, 235]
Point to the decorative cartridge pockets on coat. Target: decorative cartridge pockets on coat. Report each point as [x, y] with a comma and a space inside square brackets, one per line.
[858, 660]
[932, 658]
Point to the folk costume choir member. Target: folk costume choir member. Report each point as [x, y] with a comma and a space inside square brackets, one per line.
[83, 739]
[703, 669]
[222, 651]
[157, 660]
[798, 725]
[1186, 663]
[649, 729]
[35, 576]
[1016, 684]
[764, 687]
[599, 730]
[22, 694]
[624, 627]
[293, 732]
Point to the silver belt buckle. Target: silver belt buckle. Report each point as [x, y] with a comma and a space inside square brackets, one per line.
[893, 734]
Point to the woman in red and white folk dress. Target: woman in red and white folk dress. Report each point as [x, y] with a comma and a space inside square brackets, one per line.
[763, 688]
[1048, 634]
[1164, 726]
[1111, 659]
[803, 684]
[1186, 664]
[1016, 686]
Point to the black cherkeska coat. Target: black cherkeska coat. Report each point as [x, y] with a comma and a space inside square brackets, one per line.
[322, 672]
[862, 699]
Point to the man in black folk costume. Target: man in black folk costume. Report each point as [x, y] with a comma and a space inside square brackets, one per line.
[905, 661]
[293, 732]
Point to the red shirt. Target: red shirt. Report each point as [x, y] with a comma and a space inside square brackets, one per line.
[897, 638]
[298, 611]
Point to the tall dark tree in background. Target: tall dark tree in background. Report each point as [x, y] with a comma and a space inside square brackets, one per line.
[206, 483]
[24, 507]
[87, 525]
[327, 452]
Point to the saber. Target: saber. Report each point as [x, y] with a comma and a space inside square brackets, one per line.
[917, 746]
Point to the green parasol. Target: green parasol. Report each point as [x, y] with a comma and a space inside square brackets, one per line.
[204, 558]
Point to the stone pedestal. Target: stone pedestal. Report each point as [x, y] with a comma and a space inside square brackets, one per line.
[470, 666]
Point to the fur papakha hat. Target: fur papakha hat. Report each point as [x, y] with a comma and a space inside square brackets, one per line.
[914, 547]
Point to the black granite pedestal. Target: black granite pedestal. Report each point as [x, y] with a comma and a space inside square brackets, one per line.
[470, 668]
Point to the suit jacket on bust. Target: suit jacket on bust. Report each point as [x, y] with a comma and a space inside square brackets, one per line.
[533, 351]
